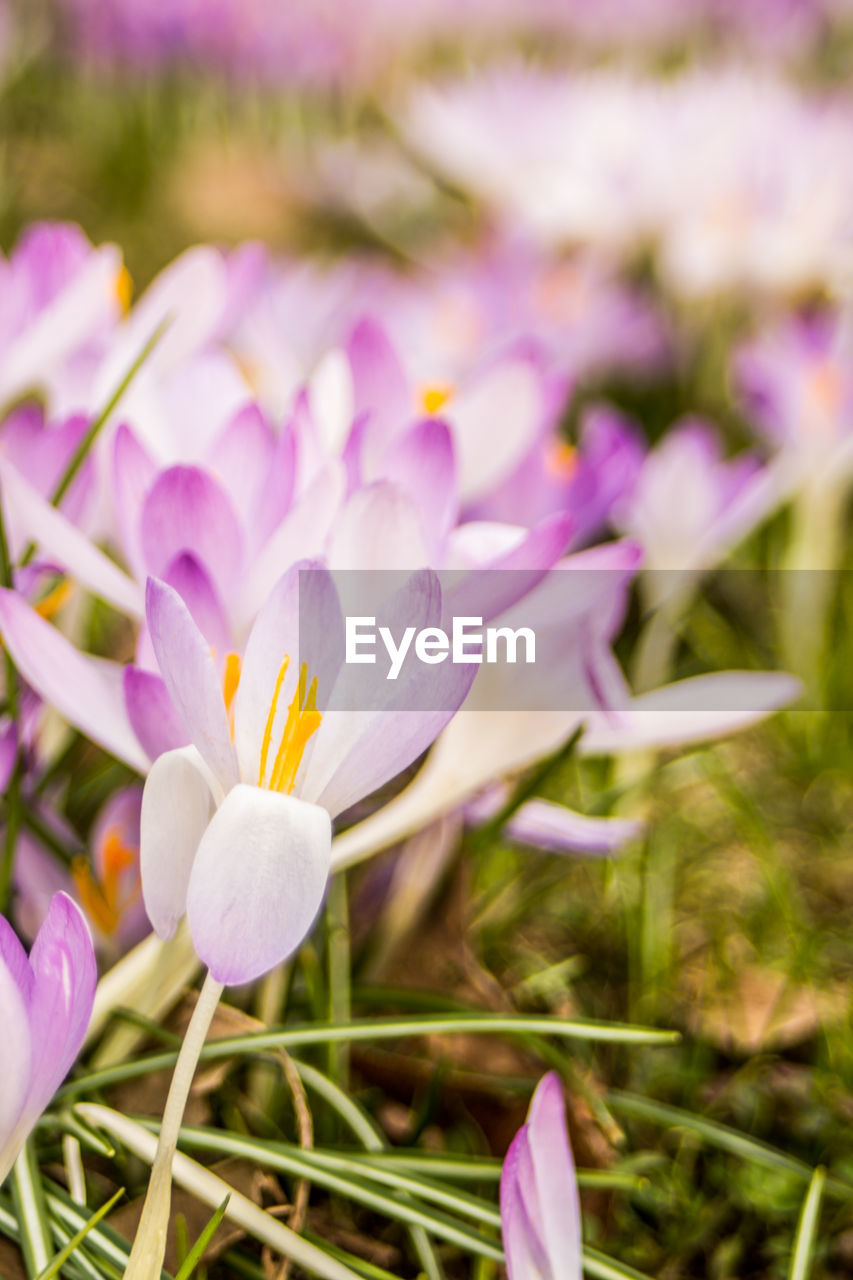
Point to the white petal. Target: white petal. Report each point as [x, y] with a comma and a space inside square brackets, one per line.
[257, 882]
[177, 805]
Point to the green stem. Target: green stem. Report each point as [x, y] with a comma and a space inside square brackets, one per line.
[337, 924]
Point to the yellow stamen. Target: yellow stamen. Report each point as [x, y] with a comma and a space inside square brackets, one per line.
[303, 719]
[124, 289]
[50, 604]
[230, 681]
[265, 744]
[434, 398]
[102, 899]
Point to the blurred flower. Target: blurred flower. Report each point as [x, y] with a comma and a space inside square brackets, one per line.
[540, 1208]
[795, 380]
[46, 1002]
[61, 299]
[690, 506]
[691, 164]
[262, 783]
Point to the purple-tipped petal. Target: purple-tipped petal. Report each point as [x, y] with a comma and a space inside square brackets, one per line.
[695, 710]
[17, 1061]
[525, 1253]
[65, 975]
[558, 829]
[86, 691]
[555, 1181]
[133, 473]
[380, 386]
[153, 716]
[257, 882]
[195, 587]
[259, 471]
[176, 807]
[32, 517]
[191, 679]
[421, 463]
[187, 511]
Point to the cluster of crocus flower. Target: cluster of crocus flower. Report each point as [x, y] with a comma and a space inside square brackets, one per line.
[690, 166]
[217, 501]
[321, 45]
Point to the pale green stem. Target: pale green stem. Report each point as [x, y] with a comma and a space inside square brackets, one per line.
[337, 921]
[149, 1246]
[814, 554]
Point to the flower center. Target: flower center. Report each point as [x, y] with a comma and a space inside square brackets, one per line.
[303, 719]
[124, 289]
[434, 397]
[230, 681]
[561, 459]
[102, 898]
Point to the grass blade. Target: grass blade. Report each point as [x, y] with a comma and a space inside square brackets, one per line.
[804, 1241]
[195, 1254]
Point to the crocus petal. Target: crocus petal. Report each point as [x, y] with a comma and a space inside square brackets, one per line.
[555, 1182]
[475, 749]
[176, 807]
[16, 1065]
[301, 620]
[151, 712]
[379, 726]
[330, 400]
[380, 387]
[257, 882]
[133, 473]
[65, 975]
[187, 298]
[88, 299]
[187, 511]
[191, 679]
[509, 395]
[14, 959]
[525, 1254]
[379, 528]
[193, 584]
[694, 710]
[558, 829]
[31, 517]
[259, 471]
[86, 691]
[421, 463]
[301, 535]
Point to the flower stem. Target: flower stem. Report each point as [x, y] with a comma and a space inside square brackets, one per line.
[149, 1246]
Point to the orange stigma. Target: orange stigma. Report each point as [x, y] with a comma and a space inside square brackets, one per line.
[102, 898]
[561, 459]
[230, 681]
[124, 289]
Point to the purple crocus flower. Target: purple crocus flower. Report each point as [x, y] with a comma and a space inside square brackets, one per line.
[796, 385]
[690, 506]
[61, 299]
[46, 1002]
[540, 1207]
[236, 829]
